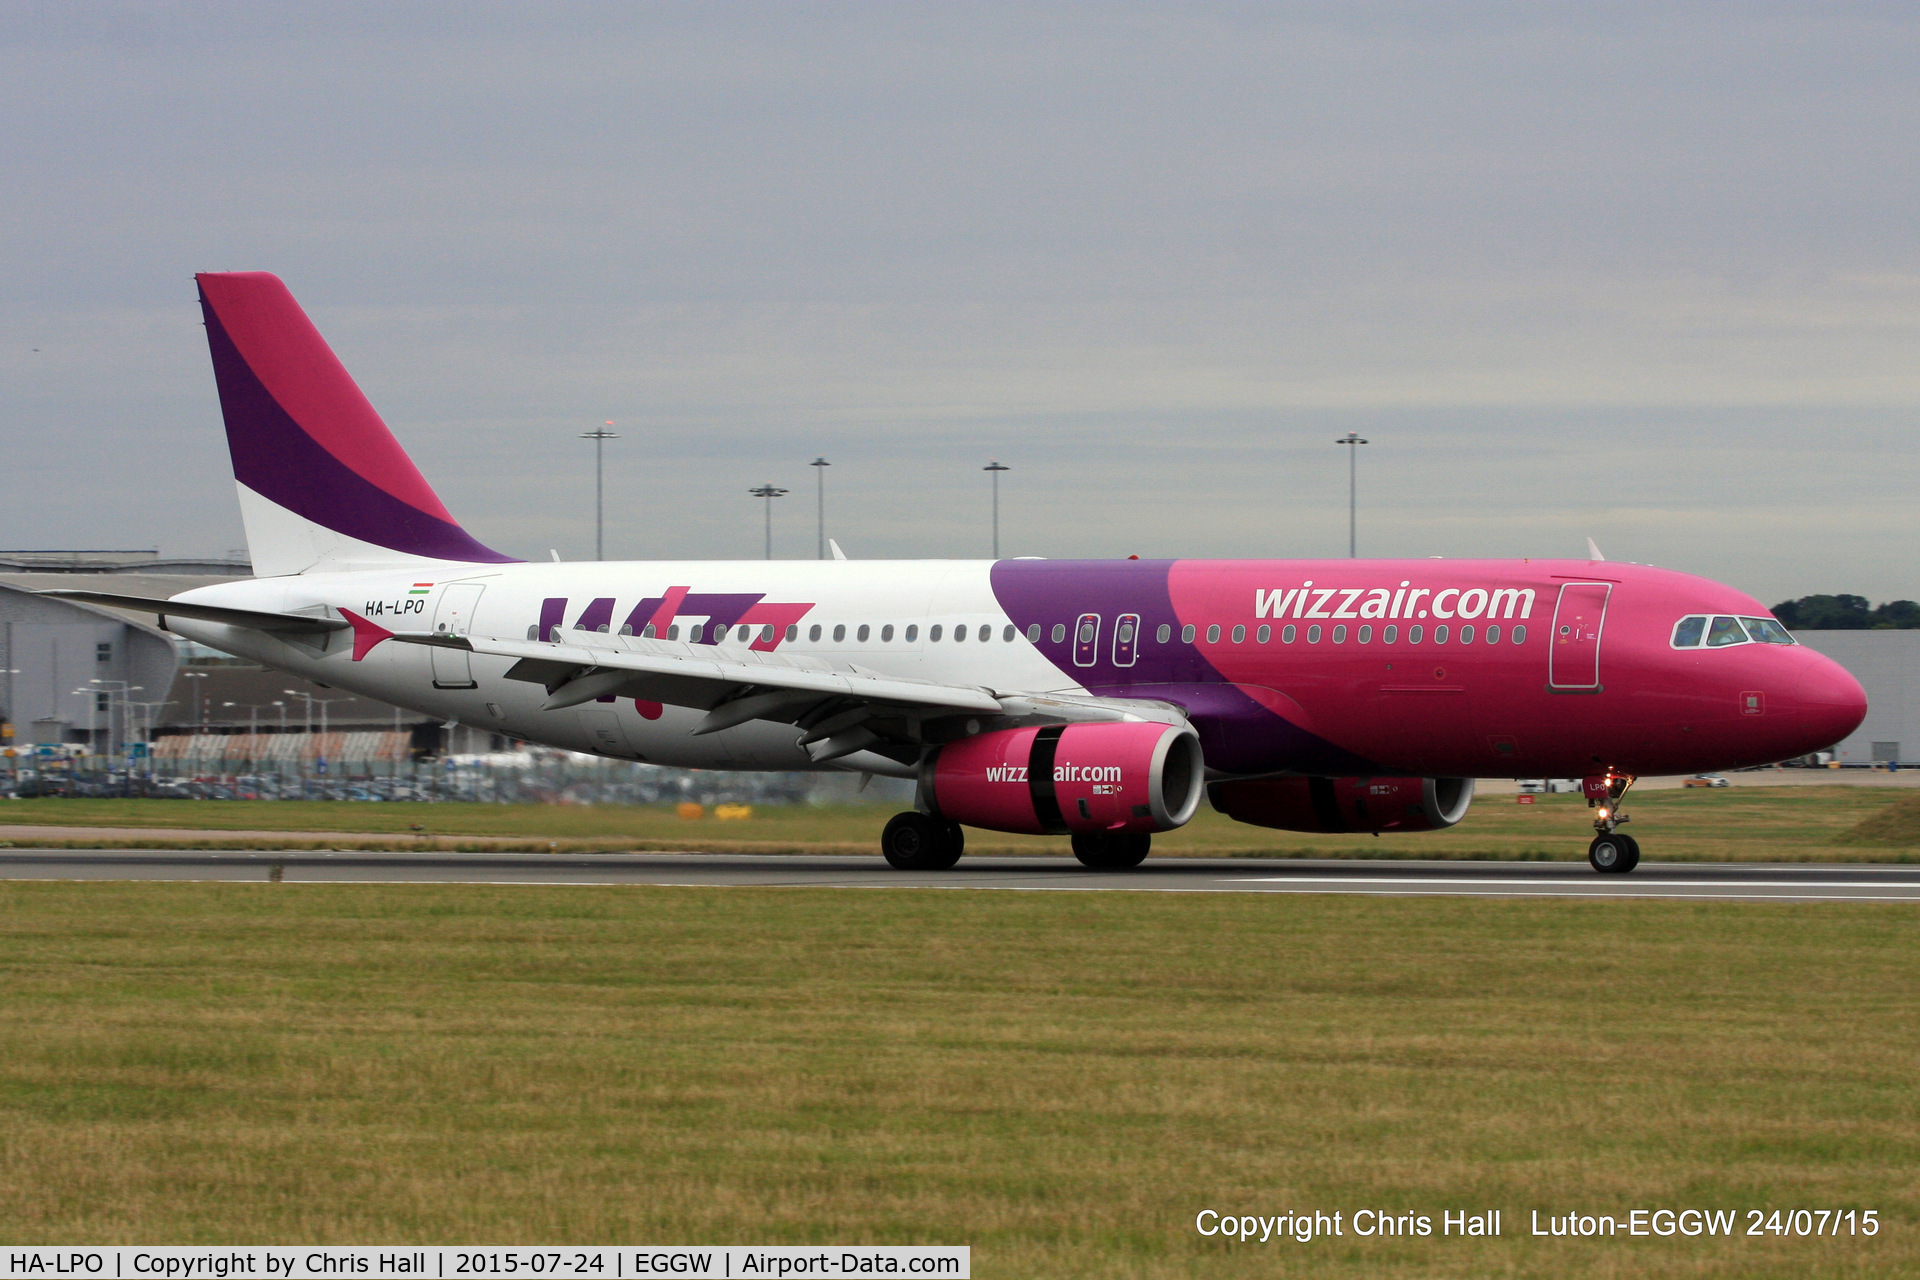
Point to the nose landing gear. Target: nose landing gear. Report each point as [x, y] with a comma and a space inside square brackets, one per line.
[1612, 852]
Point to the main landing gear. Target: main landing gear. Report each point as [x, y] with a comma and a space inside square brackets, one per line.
[1111, 850]
[1612, 852]
[915, 842]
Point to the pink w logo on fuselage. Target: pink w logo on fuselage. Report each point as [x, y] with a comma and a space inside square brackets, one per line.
[711, 616]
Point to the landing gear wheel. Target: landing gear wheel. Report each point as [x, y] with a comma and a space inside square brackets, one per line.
[915, 842]
[1612, 853]
[1111, 851]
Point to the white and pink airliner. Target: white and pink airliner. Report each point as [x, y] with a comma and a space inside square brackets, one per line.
[1099, 700]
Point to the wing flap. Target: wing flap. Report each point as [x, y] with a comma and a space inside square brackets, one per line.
[664, 671]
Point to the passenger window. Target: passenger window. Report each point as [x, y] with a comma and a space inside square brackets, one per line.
[1287, 633]
[1239, 635]
[1493, 635]
[1340, 634]
[913, 633]
[1126, 632]
[1366, 634]
[1164, 634]
[862, 634]
[648, 632]
[1389, 635]
[793, 631]
[1213, 634]
[839, 632]
[960, 633]
[813, 632]
[1413, 634]
[933, 632]
[1086, 633]
[1519, 635]
[886, 634]
[743, 633]
[1466, 635]
[1440, 634]
[1725, 631]
[533, 631]
[1059, 632]
[1033, 633]
[626, 629]
[673, 631]
[1186, 634]
[1008, 634]
[1313, 635]
[1687, 632]
[1767, 631]
[1264, 634]
[766, 633]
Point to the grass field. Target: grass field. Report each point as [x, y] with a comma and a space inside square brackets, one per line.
[1787, 824]
[1061, 1081]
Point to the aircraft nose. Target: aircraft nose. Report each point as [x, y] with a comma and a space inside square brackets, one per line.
[1829, 703]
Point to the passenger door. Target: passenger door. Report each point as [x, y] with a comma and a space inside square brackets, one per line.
[1573, 650]
[453, 616]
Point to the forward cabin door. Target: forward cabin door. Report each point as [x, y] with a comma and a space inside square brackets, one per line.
[1573, 654]
[453, 668]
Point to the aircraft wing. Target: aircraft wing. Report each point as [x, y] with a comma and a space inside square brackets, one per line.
[841, 707]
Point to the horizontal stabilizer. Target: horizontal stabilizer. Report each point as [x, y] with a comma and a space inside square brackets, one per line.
[252, 619]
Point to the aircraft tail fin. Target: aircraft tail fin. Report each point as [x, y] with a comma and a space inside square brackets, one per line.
[323, 484]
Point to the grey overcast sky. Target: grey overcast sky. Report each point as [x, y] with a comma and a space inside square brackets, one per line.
[1645, 273]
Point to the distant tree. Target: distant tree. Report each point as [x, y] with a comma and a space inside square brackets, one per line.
[1846, 613]
[1902, 615]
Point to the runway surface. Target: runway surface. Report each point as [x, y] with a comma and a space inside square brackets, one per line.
[1795, 882]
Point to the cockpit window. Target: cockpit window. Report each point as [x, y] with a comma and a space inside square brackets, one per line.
[1725, 631]
[1722, 632]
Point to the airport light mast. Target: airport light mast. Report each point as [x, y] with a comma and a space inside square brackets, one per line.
[599, 436]
[1353, 439]
[769, 492]
[820, 466]
[994, 468]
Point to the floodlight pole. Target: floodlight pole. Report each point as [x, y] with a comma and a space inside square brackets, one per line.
[769, 492]
[599, 436]
[1352, 440]
[820, 466]
[994, 469]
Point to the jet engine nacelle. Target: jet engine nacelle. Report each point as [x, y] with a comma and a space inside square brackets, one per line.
[1056, 779]
[1345, 804]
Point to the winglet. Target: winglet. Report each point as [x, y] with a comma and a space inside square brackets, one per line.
[365, 634]
[1593, 550]
[838, 554]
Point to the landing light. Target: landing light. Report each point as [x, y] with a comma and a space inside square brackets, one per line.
[1603, 815]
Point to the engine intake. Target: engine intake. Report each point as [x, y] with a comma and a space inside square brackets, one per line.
[1056, 779]
[1331, 805]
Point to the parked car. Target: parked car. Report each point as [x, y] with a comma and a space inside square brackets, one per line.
[1705, 780]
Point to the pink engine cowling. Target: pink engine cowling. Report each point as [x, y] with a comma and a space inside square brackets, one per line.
[1345, 804]
[1055, 779]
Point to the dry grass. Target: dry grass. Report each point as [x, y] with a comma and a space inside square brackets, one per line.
[1775, 824]
[1896, 825]
[1061, 1081]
